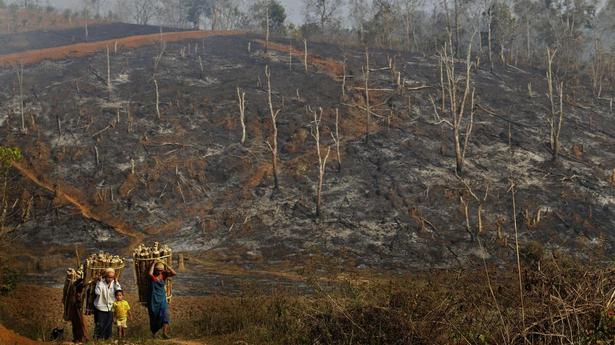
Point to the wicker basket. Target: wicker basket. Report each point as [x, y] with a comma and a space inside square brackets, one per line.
[144, 257]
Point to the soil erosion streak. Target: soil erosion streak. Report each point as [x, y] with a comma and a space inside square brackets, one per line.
[86, 210]
[88, 48]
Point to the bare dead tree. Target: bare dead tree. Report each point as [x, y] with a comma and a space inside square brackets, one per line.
[59, 124]
[442, 87]
[558, 128]
[109, 86]
[201, 66]
[24, 130]
[479, 209]
[241, 102]
[87, 15]
[457, 102]
[344, 79]
[158, 60]
[129, 120]
[290, 55]
[557, 115]
[305, 55]
[157, 99]
[336, 140]
[550, 56]
[489, 37]
[267, 30]
[367, 104]
[322, 161]
[273, 145]
[598, 69]
[143, 11]
[96, 155]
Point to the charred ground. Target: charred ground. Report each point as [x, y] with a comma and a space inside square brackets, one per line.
[395, 204]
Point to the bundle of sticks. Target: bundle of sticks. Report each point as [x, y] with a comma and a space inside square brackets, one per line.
[144, 257]
[95, 266]
[72, 276]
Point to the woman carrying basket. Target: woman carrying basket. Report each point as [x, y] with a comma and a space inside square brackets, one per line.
[157, 306]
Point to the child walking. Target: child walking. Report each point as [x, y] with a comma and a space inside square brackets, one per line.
[121, 311]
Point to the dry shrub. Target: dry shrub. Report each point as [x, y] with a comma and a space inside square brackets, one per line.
[564, 299]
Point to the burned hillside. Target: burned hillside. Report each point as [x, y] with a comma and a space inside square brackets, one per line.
[150, 149]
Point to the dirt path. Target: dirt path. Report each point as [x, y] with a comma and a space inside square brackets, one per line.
[83, 49]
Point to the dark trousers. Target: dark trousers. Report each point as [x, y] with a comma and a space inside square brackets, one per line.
[103, 324]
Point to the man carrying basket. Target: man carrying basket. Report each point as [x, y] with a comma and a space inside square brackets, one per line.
[157, 306]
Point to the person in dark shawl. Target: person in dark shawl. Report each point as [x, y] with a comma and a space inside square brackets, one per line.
[157, 306]
[75, 311]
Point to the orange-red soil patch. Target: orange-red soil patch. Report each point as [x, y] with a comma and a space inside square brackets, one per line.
[9, 337]
[331, 66]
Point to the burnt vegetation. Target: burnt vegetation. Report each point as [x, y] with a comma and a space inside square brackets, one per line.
[480, 152]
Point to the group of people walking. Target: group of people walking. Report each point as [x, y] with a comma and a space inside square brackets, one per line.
[110, 306]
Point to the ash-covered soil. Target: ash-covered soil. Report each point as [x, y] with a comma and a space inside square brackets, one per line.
[19, 42]
[395, 204]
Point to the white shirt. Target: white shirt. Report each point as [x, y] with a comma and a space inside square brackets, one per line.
[105, 294]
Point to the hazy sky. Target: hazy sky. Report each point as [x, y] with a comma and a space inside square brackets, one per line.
[294, 8]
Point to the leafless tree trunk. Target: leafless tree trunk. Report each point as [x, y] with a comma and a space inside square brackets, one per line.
[322, 161]
[241, 101]
[367, 105]
[267, 31]
[555, 128]
[109, 87]
[457, 53]
[558, 129]
[336, 140]
[290, 56]
[443, 107]
[273, 146]
[201, 66]
[24, 130]
[344, 79]
[86, 25]
[59, 123]
[458, 103]
[305, 55]
[489, 38]
[157, 99]
[529, 48]
[96, 155]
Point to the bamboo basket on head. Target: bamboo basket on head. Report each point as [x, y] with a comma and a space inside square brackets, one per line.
[95, 267]
[144, 257]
